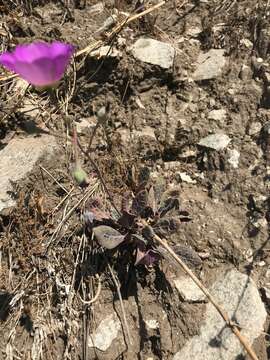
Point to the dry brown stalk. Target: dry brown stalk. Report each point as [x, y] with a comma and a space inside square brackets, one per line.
[94, 299]
[221, 311]
[117, 285]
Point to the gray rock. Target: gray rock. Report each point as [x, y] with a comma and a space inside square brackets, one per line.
[153, 52]
[233, 158]
[254, 128]
[188, 290]
[215, 141]
[266, 293]
[209, 65]
[105, 333]
[241, 300]
[17, 159]
[245, 73]
[217, 115]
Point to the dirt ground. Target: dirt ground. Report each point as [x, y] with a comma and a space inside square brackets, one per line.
[155, 119]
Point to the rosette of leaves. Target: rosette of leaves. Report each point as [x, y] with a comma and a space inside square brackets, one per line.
[152, 202]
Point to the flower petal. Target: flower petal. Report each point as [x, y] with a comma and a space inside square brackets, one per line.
[7, 60]
[39, 63]
[39, 73]
[58, 48]
[32, 52]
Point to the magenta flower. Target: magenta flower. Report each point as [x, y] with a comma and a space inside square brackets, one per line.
[40, 64]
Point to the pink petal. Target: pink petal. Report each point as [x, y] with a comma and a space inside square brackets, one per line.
[57, 48]
[39, 63]
[39, 73]
[7, 60]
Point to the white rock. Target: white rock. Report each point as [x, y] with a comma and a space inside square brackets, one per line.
[188, 290]
[20, 85]
[86, 123]
[215, 141]
[18, 158]
[246, 42]
[241, 300]
[152, 324]
[218, 115]
[209, 65]
[193, 31]
[171, 165]
[185, 178]
[106, 50]
[97, 8]
[153, 52]
[233, 158]
[30, 108]
[105, 333]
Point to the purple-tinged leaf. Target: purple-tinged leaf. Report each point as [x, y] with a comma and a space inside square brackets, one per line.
[140, 202]
[126, 220]
[146, 258]
[165, 226]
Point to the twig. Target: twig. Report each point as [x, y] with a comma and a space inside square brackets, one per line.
[54, 179]
[221, 311]
[63, 200]
[94, 299]
[116, 283]
[96, 168]
[67, 216]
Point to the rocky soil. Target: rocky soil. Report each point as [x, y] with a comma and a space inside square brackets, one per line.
[182, 94]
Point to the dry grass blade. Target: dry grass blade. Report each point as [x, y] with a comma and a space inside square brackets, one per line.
[94, 299]
[70, 212]
[221, 311]
[116, 283]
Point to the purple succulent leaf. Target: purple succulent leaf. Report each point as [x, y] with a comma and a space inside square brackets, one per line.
[146, 258]
[108, 237]
[140, 241]
[125, 203]
[144, 176]
[39, 63]
[168, 205]
[126, 220]
[140, 202]
[166, 226]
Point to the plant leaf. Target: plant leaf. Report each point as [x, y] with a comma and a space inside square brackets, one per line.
[166, 226]
[146, 258]
[108, 237]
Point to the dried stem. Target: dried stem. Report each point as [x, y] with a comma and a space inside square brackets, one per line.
[221, 311]
[116, 283]
[94, 299]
